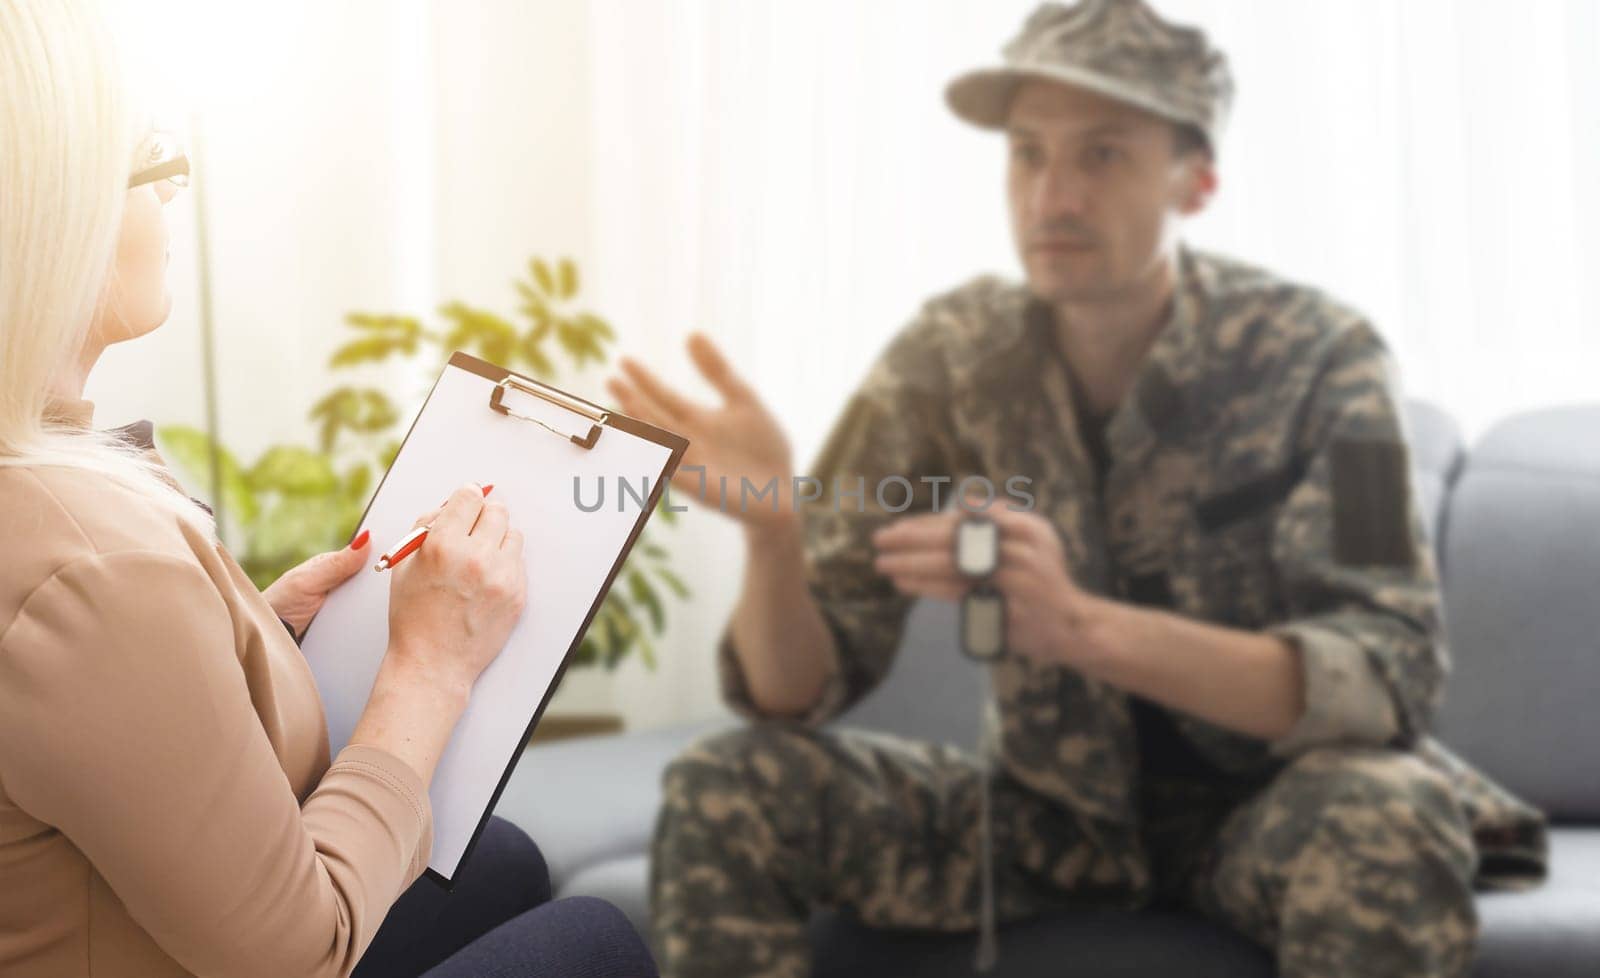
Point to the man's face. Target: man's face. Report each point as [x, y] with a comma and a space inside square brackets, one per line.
[1096, 188]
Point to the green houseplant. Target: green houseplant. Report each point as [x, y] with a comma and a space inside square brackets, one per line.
[295, 500]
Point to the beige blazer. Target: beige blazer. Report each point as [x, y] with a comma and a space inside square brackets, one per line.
[167, 806]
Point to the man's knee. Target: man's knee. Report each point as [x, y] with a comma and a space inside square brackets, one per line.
[729, 830]
[752, 760]
[1380, 804]
[1377, 866]
[739, 785]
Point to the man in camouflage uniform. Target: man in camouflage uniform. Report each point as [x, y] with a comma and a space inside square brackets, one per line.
[1224, 643]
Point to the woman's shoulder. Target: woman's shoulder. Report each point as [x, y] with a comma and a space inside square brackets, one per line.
[53, 517]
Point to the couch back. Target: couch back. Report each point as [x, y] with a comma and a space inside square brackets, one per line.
[1517, 527]
[1521, 560]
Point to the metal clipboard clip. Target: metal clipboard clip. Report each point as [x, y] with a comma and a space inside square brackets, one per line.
[593, 412]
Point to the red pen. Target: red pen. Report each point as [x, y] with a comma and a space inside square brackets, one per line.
[410, 542]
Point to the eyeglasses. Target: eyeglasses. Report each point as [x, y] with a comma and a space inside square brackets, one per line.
[165, 161]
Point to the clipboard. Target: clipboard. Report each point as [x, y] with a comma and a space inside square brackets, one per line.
[542, 448]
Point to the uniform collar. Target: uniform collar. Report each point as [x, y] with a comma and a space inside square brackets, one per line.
[1156, 400]
[1159, 398]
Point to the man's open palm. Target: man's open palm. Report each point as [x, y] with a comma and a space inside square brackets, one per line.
[737, 439]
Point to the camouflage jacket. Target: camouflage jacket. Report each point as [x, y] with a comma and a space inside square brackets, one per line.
[1258, 465]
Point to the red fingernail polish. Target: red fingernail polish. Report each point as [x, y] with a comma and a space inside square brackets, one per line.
[361, 540]
[488, 489]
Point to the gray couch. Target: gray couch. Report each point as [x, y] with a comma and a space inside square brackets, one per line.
[1517, 521]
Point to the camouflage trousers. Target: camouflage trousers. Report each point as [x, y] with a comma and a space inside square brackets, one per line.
[1348, 862]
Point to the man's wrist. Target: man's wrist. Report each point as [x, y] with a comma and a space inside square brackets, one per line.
[785, 529]
[1097, 628]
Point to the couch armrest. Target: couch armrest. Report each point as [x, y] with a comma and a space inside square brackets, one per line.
[594, 799]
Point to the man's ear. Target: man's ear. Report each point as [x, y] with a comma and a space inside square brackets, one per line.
[1197, 183]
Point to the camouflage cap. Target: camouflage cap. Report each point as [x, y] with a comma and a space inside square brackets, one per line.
[1118, 48]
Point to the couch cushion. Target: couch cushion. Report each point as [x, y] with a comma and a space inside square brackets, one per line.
[1522, 608]
[586, 801]
[1553, 931]
[1437, 454]
[932, 690]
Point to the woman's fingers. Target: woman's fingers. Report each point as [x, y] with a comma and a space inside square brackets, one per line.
[460, 512]
[492, 524]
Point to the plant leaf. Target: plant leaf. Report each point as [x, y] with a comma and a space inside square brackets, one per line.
[356, 482]
[532, 352]
[587, 654]
[372, 348]
[569, 278]
[614, 642]
[191, 449]
[643, 593]
[580, 343]
[493, 337]
[375, 412]
[596, 325]
[673, 581]
[364, 410]
[295, 528]
[387, 456]
[664, 512]
[542, 277]
[294, 471]
[528, 295]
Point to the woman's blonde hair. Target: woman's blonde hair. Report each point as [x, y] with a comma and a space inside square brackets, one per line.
[69, 137]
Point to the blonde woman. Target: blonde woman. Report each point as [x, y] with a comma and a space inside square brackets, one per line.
[167, 802]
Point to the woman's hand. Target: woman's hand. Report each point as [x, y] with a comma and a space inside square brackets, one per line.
[299, 593]
[454, 602]
[452, 605]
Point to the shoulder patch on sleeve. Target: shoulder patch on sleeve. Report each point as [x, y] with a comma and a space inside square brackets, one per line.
[1371, 497]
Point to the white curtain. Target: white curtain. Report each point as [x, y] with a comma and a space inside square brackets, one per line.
[784, 175]
[311, 133]
[373, 155]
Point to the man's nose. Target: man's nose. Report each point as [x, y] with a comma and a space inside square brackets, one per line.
[1060, 191]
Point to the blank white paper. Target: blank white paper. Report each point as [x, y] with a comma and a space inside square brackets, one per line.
[457, 439]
